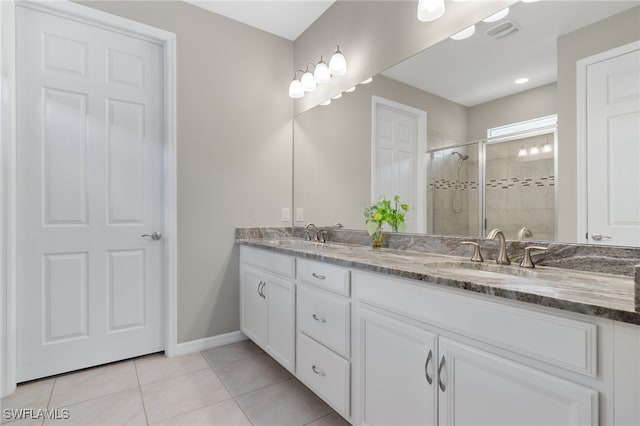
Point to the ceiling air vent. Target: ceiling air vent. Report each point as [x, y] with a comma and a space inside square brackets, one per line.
[503, 29]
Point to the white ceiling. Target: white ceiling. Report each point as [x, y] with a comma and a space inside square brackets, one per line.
[480, 69]
[285, 18]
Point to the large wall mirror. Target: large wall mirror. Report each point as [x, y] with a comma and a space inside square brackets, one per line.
[490, 131]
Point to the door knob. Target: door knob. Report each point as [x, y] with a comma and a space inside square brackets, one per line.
[155, 236]
[600, 237]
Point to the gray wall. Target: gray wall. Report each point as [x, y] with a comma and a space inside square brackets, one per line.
[604, 35]
[332, 156]
[234, 150]
[534, 103]
[374, 35]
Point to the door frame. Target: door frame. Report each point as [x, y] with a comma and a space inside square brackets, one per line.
[581, 135]
[421, 148]
[8, 166]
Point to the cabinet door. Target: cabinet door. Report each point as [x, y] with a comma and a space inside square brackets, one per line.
[280, 298]
[397, 372]
[479, 388]
[253, 306]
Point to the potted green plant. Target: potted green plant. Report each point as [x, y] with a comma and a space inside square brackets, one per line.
[383, 212]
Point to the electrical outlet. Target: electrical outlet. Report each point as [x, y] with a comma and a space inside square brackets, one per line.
[299, 214]
[285, 214]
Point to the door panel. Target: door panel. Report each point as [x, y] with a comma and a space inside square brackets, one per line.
[89, 183]
[253, 307]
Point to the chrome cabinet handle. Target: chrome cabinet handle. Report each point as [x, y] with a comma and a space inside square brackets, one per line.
[315, 317]
[318, 371]
[261, 288]
[264, 284]
[600, 237]
[259, 285]
[442, 388]
[320, 277]
[426, 367]
[155, 236]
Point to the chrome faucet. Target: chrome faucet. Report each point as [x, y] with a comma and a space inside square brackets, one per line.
[524, 232]
[308, 229]
[502, 258]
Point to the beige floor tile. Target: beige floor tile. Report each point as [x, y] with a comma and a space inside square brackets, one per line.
[232, 352]
[250, 374]
[118, 409]
[282, 404]
[333, 419]
[179, 395]
[225, 413]
[30, 395]
[154, 368]
[95, 382]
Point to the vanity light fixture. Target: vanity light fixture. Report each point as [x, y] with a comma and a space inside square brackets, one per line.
[466, 33]
[528, 1]
[430, 10]
[338, 63]
[534, 150]
[497, 16]
[350, 89]
[338, 96]
[522, 80]
[522, 152]
[547, 148]
[308, 81]
[295, 88]
[367, 81]
[321, 72]
[325, 103]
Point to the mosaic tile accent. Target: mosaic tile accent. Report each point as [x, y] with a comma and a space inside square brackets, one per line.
[454, 184]
[506, 183]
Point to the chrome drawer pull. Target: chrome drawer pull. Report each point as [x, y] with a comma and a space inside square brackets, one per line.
[318, 371]
[320, 277]
[426, 367]
[315, 317]
[442, 388]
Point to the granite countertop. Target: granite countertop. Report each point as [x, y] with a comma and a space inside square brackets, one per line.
[597, 294]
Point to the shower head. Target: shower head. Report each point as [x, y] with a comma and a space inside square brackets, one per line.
[461, 156]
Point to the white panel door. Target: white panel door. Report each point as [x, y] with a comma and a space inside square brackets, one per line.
[281, 321]
[397, 377]
[613, 150]
[479, 388]
[253, 306]
[396, 159]
[90, 183]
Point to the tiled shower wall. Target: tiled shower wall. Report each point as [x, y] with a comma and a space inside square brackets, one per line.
[520, 191]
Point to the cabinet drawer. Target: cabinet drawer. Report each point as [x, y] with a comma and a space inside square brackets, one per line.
[325, 317]
[329, 277]
[552, 339]
[325, 373]
[273, 262]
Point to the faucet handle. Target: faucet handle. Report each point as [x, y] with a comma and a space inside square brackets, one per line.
[477, 256]
[526, 261]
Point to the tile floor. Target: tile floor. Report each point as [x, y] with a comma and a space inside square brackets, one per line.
[233, 385]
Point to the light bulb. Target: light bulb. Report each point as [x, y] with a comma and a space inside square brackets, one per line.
[522, 80]
[350, 89]
[430, 10]
[338, 63]
[321, 72]
[367, 81]
[529, 1]
[325, 103]
[497, 16]
[308, 81]
[547, 147]
[466, 33]
[338, 96]
[522, 152]
[295, 89]
[534, 150]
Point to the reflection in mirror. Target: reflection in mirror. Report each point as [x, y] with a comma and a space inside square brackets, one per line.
[466, 88]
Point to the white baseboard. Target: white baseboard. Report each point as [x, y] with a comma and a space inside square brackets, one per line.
[208, 343]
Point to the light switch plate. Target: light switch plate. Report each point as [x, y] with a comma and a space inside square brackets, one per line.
[285, 214]
[299, 214]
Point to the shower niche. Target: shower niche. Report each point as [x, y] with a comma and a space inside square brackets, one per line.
[506, 181]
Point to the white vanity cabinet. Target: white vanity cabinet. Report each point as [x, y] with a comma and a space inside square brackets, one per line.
[267, 303]
[410, 371]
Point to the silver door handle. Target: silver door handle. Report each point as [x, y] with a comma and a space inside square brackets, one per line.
[600, 237]
[426, 367]
[155, 236]
[317, 318]
[318, 371]
[440, 383]
[320, 277]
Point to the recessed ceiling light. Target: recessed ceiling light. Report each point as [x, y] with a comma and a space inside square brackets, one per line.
[351, 89]
[327, 102]
[338, 96]
[367, 81]
[497, 16]
[522, 80]
[466, 33]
